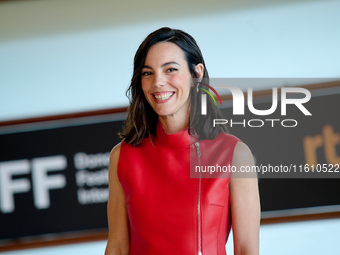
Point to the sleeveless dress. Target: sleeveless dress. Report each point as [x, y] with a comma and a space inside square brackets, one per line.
[171, 208]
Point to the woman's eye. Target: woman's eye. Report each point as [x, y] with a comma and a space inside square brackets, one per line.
[171, 70]
[146, 73]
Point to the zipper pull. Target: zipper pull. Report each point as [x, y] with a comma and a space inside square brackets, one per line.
[198, 148]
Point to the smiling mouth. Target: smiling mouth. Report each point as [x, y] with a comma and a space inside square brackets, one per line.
[163, 96]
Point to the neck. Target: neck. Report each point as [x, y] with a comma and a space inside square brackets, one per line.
[172, 124]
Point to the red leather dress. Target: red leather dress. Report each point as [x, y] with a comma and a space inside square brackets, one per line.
[170, 212]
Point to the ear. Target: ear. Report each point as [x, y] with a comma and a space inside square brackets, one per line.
[199, 69]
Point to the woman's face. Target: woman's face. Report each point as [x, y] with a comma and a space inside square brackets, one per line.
[166, 80]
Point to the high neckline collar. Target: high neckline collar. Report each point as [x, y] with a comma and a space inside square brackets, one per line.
[176, 140]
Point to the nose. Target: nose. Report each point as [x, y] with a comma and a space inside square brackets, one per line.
[159, 80]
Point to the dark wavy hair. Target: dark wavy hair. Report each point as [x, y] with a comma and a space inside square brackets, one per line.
[142, 120]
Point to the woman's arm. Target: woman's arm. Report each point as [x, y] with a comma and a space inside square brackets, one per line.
[118, 242]
[245, 205]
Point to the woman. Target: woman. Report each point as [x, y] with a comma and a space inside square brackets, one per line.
[155, 206]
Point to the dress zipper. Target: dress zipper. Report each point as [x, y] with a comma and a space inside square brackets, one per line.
[199, 199]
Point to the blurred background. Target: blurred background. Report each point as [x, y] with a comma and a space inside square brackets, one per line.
[64, 70]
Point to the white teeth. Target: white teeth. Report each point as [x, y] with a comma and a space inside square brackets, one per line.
[163, 96]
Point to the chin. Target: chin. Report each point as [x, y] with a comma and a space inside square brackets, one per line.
[164, 114]
[164, 111]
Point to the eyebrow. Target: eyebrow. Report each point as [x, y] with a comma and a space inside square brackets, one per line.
[165, 64]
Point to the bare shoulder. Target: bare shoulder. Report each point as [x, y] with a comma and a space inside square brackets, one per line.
[242, 159]
[114, 154]
[114, 158]
[242, 153]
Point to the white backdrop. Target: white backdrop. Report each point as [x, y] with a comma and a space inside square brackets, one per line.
[90, 70]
